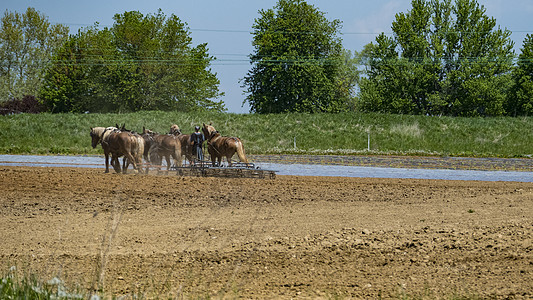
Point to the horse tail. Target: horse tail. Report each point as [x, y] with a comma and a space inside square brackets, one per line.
[140, 150]
[240, 151]
[153, 154]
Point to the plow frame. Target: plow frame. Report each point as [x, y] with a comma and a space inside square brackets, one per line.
[237, 170]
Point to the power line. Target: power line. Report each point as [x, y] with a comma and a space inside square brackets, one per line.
[273, 62]
[217, 30]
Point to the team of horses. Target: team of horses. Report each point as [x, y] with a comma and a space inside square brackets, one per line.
[154, 147]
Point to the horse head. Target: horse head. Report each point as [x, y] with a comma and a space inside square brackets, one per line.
[209, 131]
[148, 136]
[175, 130]
[214, 134]
[96, 135]
[147, 131]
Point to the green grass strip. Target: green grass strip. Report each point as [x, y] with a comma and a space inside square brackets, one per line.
[311, 134]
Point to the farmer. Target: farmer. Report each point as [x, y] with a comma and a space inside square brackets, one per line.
[197, 139]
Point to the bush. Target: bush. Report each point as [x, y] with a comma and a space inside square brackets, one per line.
[28, 104]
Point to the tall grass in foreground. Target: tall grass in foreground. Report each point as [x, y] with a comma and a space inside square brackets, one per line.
[344, 133]
[30, 288]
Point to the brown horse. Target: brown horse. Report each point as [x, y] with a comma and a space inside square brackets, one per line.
[185, 140]
[219, 146]
[137, 151]
[140, 140]
[148, 138]
[162, 146]
[97, 134]
[118, 143]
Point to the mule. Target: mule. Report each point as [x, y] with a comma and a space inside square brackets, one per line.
[220, 146]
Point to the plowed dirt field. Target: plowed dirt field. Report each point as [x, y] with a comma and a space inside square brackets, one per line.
[291, 237]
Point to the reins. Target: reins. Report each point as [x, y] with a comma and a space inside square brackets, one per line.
[210, 141]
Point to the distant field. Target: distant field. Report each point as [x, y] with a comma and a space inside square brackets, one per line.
[312, 134]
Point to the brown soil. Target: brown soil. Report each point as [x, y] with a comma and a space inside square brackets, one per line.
[291, 237]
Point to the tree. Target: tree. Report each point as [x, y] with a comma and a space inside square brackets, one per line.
[297, 64]
[27, 42]
[521, 97]
[71, 83]
[140, 63]
[442, 59]
[348, 79]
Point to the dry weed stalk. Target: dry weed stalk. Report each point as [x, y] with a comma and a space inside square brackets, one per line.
[107, 241]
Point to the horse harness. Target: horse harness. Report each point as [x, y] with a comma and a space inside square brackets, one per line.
[211, 142]
[116, 130]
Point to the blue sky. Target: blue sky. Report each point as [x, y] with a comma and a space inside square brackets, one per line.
[225, 25]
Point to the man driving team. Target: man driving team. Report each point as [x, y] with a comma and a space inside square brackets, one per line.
[197, 139]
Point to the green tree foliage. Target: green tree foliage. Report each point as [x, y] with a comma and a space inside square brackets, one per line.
[521, 98]
[27, 41]
[298, 62]
[67, 84]
[349, 78]
[140, 63]
[443, 59]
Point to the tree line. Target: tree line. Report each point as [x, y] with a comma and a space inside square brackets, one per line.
[445, 57]
[139, 63]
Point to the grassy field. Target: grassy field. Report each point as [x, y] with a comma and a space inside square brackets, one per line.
[345, 133]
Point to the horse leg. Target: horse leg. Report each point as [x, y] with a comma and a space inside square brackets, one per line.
[139, 160]
[213, 160]
[167, 158]
[229, 155]
[125, 165]
[155, 157]
[130, 159]
[137, 152]
[188, 155]
[177, 157]
[115, 163]
[106, 161]
[147, 163]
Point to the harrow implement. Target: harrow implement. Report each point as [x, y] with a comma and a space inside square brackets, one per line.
[237, 170]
